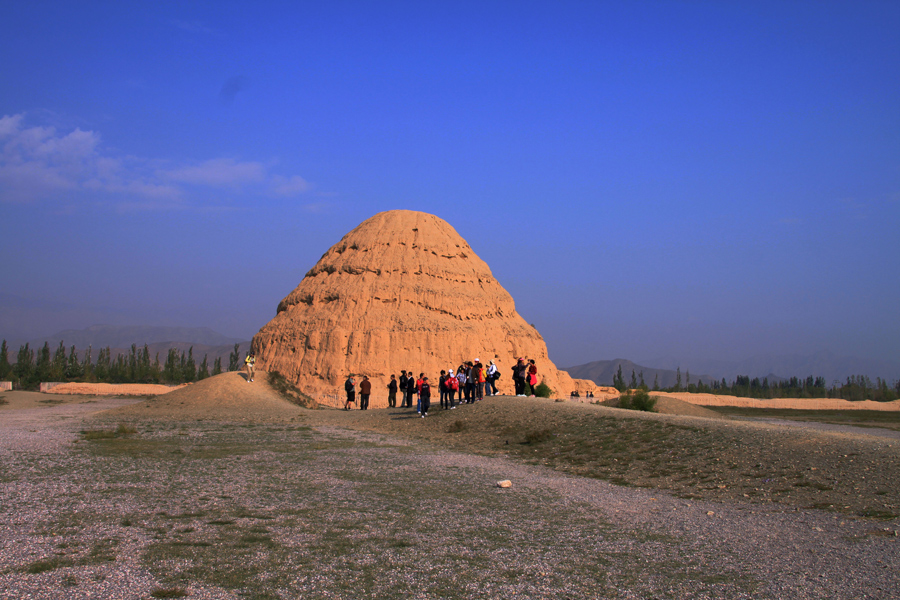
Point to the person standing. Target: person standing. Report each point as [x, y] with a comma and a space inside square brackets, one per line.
[452, 386]
[532, 377]
[461, 379]
[425, 396]
[442, 389]
[392, 392]
[478, 376]
[250, 361]
[519, 371]
[418, 388]
[365, 390]
[410, 389]
[350, 388]
[403, 381]
[491, 384]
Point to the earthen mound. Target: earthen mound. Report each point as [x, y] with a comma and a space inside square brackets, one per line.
[673, 406]
[227, 397]
[403, 290]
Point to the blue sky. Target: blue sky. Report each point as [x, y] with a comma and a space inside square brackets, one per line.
[647, 179]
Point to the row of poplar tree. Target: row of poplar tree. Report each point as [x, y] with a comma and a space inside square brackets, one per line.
[855, 387]
[136, 366]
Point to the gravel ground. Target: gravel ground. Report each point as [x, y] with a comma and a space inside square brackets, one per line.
[340, 509]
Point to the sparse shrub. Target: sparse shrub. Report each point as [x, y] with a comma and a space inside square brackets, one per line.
[542, 390]
[123, 430]
[48, 564]
[456, 426]
[174, 592]
[289, 391]
[638, 400]
[538, 435]
[3, 401]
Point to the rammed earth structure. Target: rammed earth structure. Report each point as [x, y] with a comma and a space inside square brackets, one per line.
[403, 290]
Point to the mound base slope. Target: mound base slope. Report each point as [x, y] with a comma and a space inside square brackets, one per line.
[228, 396]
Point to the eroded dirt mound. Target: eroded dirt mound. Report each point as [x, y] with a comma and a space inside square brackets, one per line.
[228, 396]
[673, 406]
[403, 290]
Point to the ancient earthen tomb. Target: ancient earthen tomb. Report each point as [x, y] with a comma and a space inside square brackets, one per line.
[401, 291]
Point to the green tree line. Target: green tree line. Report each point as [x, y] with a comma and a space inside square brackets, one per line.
[136, 366]
[855, 387]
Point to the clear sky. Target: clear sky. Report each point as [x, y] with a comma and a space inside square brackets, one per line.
[693, 179]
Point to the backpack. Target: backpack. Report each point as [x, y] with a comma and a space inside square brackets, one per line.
[454, 383]
[496, 375]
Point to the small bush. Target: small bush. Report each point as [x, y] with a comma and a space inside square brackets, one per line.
[174, 592]
[3, 401]
[538, 435]
[638, 400]
[456, 426]
[122, 430]
[542, 390]
[49, 564]
[289, 391]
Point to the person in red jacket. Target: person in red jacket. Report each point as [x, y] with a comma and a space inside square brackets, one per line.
[532, 377]
[365, 389]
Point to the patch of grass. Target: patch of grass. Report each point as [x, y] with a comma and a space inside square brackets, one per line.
[289, 391]
[537, 436]
[456, 426]
[122, 430]
[172, 592]
[47, 564]
[858, 418]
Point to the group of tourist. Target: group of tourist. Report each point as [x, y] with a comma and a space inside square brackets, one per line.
[469, 383]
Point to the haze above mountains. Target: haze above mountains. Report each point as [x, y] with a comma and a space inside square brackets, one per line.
[206, 341]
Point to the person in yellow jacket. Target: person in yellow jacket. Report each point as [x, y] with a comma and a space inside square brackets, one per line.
[250, 361]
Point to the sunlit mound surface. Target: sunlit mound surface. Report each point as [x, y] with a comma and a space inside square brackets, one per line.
[672, 406]
[226, 397]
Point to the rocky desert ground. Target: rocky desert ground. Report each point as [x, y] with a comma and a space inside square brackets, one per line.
[226, 490]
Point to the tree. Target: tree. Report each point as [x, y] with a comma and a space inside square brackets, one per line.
[203, 371]
[656, 382]
[87, 369]
[73, 366]
[633, 385]
[678, 379]
[217, 366]
[5, 367]
[58, 365]
[24, 367]
[171, 369]
[233, 358]
[42, 367]
[619, 380]
[189, 367]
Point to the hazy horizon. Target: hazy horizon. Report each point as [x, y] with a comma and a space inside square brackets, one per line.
[651, 179]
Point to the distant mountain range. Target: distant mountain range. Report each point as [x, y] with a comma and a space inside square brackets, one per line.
[774, 367]
[204, 341]
[123, 337]
[602, 372]
[820, 364]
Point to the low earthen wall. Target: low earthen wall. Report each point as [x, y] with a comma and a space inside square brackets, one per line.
[782, 403]
[108, 389]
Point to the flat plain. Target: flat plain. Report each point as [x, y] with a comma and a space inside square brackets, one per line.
[605, 503]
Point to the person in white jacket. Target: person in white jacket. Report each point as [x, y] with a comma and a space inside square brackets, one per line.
[491, 379]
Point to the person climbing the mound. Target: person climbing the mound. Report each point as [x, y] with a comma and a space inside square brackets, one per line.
[250, 361]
